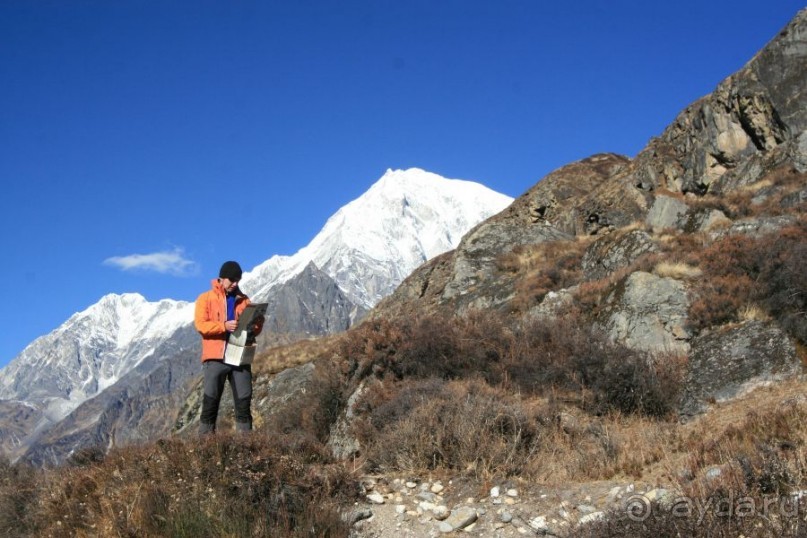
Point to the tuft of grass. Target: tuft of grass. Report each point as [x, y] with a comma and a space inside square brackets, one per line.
[754, 312]
[677, 270]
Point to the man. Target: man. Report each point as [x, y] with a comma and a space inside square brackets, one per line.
[216, 316]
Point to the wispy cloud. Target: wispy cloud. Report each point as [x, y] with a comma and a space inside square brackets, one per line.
[172, 262]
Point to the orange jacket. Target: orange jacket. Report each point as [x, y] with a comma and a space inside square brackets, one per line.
[209, 318]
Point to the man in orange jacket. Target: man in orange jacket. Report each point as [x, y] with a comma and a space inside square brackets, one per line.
[216, 316]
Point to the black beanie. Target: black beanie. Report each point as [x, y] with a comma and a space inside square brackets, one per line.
[231, 271]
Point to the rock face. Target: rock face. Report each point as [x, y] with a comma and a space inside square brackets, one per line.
[20, 420]
[649, 313]
[744, 127]
[572, 198]
[309, 304]
[613, 252]
[733, 360]
[666, 212]
[475, 259]
[341, 442]
[61, 373]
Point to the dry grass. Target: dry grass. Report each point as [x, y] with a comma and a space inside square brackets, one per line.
[469, 395]
[280, 358]
[754, 312]
[222, 486]
[749, 453]
[741, 272]
[469, 427]
[677, 270]
[541, 268]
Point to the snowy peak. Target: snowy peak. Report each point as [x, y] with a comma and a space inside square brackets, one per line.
[435, 210]
[92, 349]
[404, 219]
[120, 319]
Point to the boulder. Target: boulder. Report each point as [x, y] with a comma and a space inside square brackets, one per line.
[649, 313]
[666, 212]
[729, 362]
[459, 519]
[341, 442]
[615, 251]
[475, 259]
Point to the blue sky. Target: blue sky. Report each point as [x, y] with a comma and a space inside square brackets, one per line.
[153, 129]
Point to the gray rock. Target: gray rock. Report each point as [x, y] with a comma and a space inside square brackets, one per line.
[702, 220]
[428, 496]
[341, 442]
[800, 153]
[592, 517]
[459, 519]
[649, 313]
[666, 212]
[355, 516]
[586, 509]
[441, 512]
[720, 137]
[476, 258]
[613, 252]
[732, 361]
[539, 524]
[661, 496]
[756, 227]
[309, 304]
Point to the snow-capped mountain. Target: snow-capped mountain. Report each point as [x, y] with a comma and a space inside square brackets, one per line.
[69, 387]
[90, 352]
[370, 245]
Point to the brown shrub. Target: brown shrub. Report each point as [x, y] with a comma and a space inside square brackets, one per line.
[719, 301]
[567, 354]
[452, 347]
[17, 494]
[464, 426]
[741, 270]
[534, 357]
[470, 427]
[314, 410]
[550, 266]
[370, 345]
[757, 451]
[736, 514]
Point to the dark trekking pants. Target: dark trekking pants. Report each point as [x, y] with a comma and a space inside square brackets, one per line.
[240, 378]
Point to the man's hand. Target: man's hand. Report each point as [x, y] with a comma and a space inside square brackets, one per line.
[230, 325]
